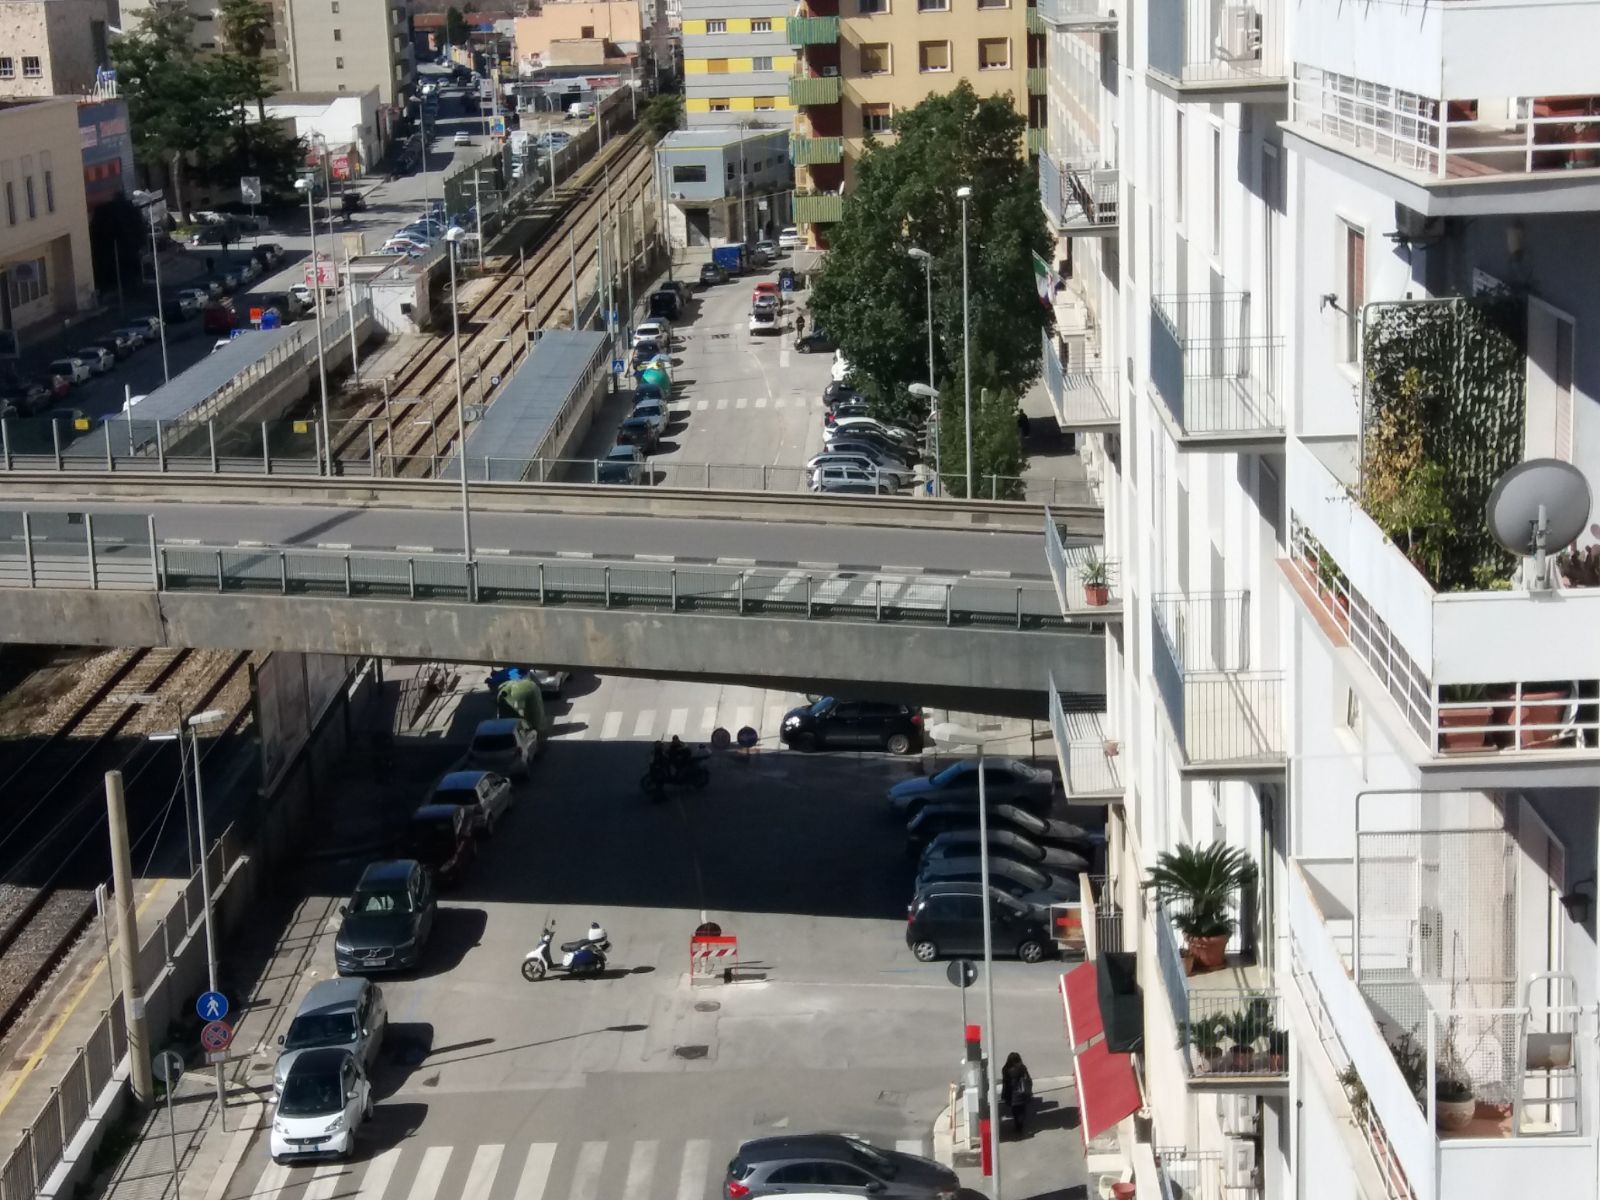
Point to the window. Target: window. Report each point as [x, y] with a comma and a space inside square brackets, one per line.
[338, 35]
[761, 25]
[334, 7]
[719, 106]
[933, 56]
[994, 54]
[1216, 191]
[994, 3]
[11, 203]
[716, 27]
[693, 173]
[933, 5]
[877, 118]
[338, 64]
[765, 104]
[8, 67]
[761, 63]
[30, 66]
[1355, 289]
[716, 66]
[875, 58]
[27, 188]
[868, 7]
[28, 282]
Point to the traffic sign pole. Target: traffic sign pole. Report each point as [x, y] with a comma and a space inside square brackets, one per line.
[169, 1065]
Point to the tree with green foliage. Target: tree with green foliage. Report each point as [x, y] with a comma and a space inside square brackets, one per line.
[455, 27]
[245, 27]
[871, 294]
[244, 75]
[662, 115]
[997, 457]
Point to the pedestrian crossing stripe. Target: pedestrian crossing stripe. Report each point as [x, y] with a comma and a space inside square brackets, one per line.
[647, 1169]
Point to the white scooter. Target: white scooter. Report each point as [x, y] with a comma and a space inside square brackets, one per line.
[586, 956]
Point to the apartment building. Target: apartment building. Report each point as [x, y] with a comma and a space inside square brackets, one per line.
[45, 272]
[736, 63]
[1326, 280]
[618, 22]
[724, 184]
[52, 47]
[858, 62]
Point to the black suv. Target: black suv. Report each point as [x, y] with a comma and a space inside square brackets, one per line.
[831, 724]
[388, 920]
[711, 274]
[947, 918]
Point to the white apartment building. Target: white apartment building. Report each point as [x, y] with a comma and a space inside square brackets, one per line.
[1330, 271]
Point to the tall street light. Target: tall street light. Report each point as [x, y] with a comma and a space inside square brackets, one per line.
[931, 394]
[964, 194]
[304, 184]
[454, 236]
[161, 313]
[949, 734]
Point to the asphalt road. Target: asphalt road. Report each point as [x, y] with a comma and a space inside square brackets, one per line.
[638, 1084]
[687, 539]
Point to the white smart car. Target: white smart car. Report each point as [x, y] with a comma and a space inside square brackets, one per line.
[326, 1099]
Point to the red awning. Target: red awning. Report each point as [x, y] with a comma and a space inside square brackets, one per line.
[1107, 1089]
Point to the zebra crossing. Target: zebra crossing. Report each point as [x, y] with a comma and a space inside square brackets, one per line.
[647, 724]
[646, 1169]
[723, 403]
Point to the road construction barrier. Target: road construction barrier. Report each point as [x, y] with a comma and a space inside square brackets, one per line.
[713, 957]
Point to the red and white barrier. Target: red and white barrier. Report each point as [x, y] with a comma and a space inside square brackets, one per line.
[713, 956]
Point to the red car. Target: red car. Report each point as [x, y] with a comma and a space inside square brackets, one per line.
[218, 317]
[766, 289]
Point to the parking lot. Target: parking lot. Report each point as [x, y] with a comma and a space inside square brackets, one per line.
[637, 1083]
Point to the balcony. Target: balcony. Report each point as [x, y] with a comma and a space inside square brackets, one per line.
[1036, 24]
[1210, 52]
[1376, 944]
[1227, 718]
[1086, 396]
[1086, 582]
[1219, 383]
[812, 31]
[1036, 141]
[1038, 81]
[1465, 157]
[1499, 687]
[1077, 16]
[818, 209]
[1080, 196]
[1089, 771]
[1230, 1024]
[808, 90]
[815, 151]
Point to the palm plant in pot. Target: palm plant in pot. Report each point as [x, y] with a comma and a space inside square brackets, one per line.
[1199, 885]
[1095, 575]
[1206, 1038]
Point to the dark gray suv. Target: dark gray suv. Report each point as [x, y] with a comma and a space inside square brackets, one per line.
[388, 920]
[837, 1164]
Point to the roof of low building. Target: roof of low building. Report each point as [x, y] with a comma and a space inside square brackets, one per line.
[711, 136]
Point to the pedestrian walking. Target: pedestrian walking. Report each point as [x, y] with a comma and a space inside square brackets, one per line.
[1016, 1089]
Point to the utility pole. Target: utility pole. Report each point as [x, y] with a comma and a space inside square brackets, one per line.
[139, 1076]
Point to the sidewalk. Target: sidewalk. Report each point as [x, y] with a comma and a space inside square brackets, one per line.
[1046, 1164]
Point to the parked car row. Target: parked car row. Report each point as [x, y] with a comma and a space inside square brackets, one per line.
[861, 455]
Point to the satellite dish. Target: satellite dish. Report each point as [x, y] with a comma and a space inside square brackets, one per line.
[1536, 505]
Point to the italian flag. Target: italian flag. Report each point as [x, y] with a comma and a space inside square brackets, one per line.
[1044, 281]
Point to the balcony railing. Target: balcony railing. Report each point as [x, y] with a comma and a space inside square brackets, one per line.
[1086, 396]
[1036, 22]
[1447, 140]
[1036, 141]
[818, 209]
[1037, 81]
[1190, 1174]
[1089, 770]
[812, 31]
[1072, 570]
[1491, 675]
[1080, 196]
[1227, 718]
[1200, 47]
[1230, 1023]
[1083, 15]
[807, 90]
[1221, 384]
[815, 151]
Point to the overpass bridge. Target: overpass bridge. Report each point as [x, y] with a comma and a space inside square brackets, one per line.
[737, 589]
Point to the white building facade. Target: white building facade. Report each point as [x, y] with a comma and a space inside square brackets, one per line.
[1328, 274]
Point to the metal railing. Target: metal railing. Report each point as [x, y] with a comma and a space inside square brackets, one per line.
[818, 208]
[812, 31]
[807, 90]
[815, 151]
[1236, 1032]
[1076, 14]
[1216, 379]
[1220, 711]
[1070, 566]
[1447, 138]
[1091, 192]
[1085, 396]
[1195, 43]
[1190, 1174]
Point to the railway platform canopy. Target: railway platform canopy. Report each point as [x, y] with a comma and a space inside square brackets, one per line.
[541, 410]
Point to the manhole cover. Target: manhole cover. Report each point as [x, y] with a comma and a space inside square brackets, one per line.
[708, 1006]
[691, 1051]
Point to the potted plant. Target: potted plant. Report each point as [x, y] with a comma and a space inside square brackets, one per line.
[1201, 882]
[1095, 575]
[1465, 729]
[1454, 1105]
[1241, 1033]
[1278, 1051]
[1206, 1038]
[1579, 568]
[1544, 706]
[1355, 1091]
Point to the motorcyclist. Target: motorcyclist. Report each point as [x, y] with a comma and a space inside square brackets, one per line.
[678, 756]
[658, 760]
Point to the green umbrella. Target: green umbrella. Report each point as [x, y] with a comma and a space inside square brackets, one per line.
[521, 698]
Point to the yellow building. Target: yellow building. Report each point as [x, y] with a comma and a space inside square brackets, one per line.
[45, 271]
[737, 61]
[861, 61]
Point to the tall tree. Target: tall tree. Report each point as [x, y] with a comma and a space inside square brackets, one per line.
[662, 115]
[871, 296]
[243, 64]
[172, 106]
[997, 456]
[455, 27]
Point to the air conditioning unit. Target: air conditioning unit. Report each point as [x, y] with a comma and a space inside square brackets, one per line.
[830, 72]
[1239, 1163]
[1238, 1114]
[1239, 38]
[677, 195]
[1411, 227]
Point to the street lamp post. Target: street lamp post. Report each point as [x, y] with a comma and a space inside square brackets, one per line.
[948, 734]
[965, 194]
[210, 716]
[454, 236]
[932, 393]
[305, 185]
[161, 314]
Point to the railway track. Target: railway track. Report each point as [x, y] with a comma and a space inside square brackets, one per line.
[542, 284]
[53, 855]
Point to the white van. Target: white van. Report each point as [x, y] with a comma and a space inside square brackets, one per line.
[582, 110]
